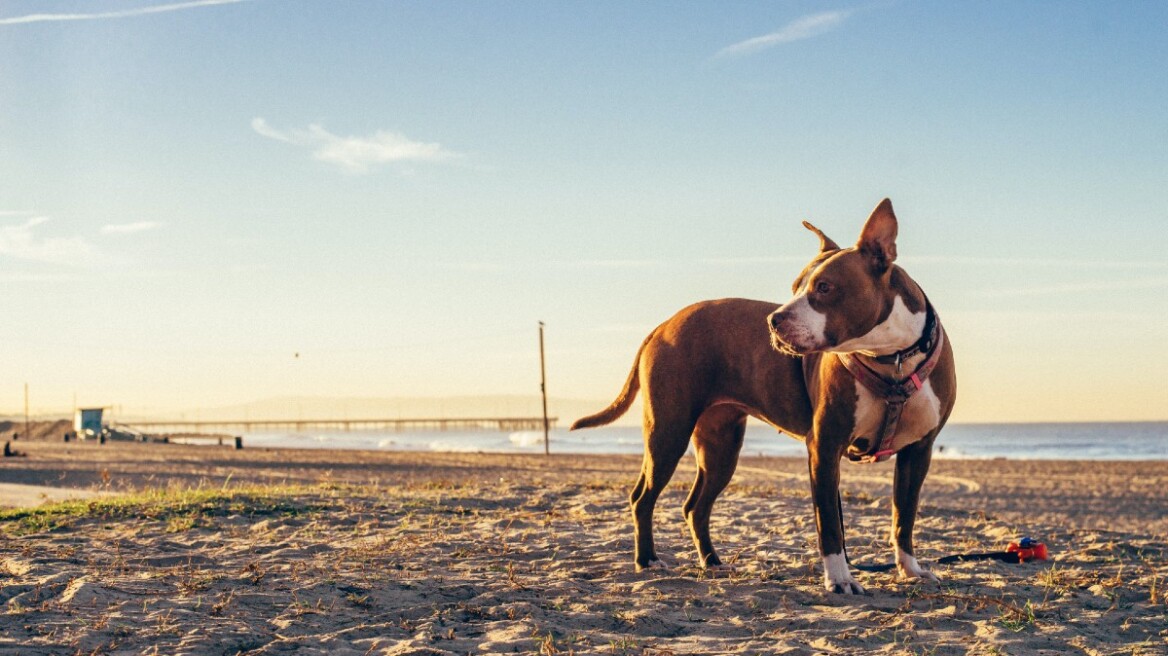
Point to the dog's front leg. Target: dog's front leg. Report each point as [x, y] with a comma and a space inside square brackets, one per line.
[912, 464]
[825, 475]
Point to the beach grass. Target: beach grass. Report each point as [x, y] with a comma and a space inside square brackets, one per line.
[179, 509]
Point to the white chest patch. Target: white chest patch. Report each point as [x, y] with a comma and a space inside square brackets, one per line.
[921, 414]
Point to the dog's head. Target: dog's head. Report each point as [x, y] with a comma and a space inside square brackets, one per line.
[851, 299]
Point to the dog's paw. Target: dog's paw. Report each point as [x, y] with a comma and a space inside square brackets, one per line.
[837, 578]
[910, 568]
[846, 588]
[712, 563]
[652, 563]
[720, 568]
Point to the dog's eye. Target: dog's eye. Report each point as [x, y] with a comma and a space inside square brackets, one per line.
[823, 287]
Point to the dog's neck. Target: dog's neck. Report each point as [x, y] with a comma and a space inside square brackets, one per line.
[899, 334]
[908, 359]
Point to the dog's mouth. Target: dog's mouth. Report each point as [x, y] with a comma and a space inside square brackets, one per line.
[783, 346]
[792, 345]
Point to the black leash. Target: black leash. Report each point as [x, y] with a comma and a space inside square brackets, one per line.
[1021, 551]
[1004, 556]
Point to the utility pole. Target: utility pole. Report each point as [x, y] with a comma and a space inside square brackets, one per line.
[543, 390]
[26, 435]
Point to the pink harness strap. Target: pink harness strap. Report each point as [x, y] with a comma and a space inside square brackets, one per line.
[894, 394]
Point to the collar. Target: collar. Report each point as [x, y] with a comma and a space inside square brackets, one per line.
[929, 336]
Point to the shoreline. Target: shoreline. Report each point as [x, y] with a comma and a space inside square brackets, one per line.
[1092, 441]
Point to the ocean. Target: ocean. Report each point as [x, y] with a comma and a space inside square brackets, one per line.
[1054, 441]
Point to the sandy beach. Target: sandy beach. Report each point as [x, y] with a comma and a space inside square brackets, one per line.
[209, 550]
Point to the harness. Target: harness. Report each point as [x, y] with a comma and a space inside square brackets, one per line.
[894, 393]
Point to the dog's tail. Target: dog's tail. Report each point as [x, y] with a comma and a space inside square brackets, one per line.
[623, 400]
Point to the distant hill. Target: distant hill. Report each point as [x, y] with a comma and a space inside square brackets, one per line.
[37, 430]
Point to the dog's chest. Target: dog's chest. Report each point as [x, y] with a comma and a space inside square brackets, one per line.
[921, 414]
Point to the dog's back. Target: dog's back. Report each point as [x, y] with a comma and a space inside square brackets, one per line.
[706, 354]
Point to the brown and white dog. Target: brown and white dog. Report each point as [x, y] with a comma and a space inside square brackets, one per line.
[856, 365]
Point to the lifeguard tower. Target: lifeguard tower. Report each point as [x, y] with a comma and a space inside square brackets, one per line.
[88, 424]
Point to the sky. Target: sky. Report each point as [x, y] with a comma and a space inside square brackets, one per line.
[206, 203]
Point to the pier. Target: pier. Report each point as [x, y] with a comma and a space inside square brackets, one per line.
[301, 425]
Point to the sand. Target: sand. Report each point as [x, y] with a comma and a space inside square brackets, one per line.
[404, 553]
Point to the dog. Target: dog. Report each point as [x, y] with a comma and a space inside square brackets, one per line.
[855, 365]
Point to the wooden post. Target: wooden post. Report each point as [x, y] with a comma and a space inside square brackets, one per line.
[27, 435]
[543, 391]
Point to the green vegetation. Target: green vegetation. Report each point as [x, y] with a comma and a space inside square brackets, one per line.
[181, 510]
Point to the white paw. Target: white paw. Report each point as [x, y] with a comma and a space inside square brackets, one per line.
[909, 568]
[837, 578]
[656, 563]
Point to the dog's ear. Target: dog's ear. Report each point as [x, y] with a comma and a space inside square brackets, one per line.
[878, 238]
[825, 243]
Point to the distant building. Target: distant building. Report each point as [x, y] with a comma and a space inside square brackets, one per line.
[87, 422]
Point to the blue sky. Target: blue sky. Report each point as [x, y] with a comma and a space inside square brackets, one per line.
[191, 193]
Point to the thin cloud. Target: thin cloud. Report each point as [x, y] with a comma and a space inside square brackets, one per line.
[511, 265]
[357, 154]
[749, 260]
[799, 29]
[616, 264]
[1042, 262]
[107, 15]
[129, 228]
[18, 277]
[480, 267]
[624, 328]
[263, 129]
[22, 242]
[630, 263]
[1075, 288]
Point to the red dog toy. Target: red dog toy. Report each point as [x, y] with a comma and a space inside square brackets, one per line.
[1028, 549]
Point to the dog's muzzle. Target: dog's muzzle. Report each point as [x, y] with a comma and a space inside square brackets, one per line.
[779, 345]
[792, 336]
[780, 325]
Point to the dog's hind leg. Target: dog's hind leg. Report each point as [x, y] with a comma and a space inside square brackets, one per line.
[665, 444]
[717, 442]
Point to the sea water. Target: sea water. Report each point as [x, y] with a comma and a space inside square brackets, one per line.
[1061, 441]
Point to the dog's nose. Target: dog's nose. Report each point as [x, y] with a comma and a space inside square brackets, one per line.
[775, 319]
